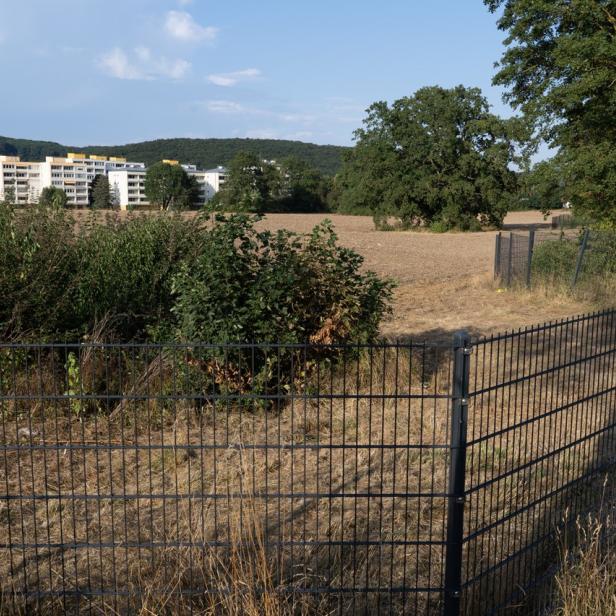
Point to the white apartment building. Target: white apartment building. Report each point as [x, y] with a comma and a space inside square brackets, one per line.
[23, 181]
[74, 174]
[214, 178]
[128, 186]
[19, 180]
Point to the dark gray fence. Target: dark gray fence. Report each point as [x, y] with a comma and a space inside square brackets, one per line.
[514, 252]
[396, 478]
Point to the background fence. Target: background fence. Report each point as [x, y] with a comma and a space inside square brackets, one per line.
[394, 478]
[574, 255]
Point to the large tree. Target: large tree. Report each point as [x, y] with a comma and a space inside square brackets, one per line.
[249, 185]
[100, 194]
[438, 157]
[52, 196]
[302, 187]
[559, 68]
[168, 186]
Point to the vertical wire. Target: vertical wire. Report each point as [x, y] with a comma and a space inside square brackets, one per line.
[123, 447]
[407, 475]
[5, 439]
[369, 471]
[341, 555]
[394, 460]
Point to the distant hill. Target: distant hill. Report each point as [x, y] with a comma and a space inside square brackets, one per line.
[205, 153]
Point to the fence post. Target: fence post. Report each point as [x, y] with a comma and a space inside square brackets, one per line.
[497, 256]
[510, 264]
[580, 258]
[531, 246]
[457, 474]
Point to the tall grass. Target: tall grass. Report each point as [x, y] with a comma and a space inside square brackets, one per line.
[586, 584]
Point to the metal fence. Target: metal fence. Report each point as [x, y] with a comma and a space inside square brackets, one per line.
[514, 251]
[396, 478]
[583, 253]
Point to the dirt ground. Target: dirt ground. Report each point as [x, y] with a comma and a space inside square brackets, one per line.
[444, 280]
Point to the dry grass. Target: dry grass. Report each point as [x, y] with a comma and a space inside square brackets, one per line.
[304, 452]
[586, 586]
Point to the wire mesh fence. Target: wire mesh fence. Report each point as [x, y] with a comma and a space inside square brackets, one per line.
[390, 478]
[178, 477]
[514, 257]
[541, 440]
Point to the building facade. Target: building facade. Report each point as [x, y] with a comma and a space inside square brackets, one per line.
[127, 186]
[21, 182]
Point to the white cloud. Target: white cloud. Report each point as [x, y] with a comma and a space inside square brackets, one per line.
[174, 69]
[181, 25]
[143, 53]
[116, 63]
[225, 107]
[231, 79]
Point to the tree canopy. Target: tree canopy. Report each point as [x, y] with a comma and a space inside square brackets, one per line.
[246, 188]
[559, 68]
[169, 186]
[100, 194]
[255, 185]
[438, 157]
[52, 196]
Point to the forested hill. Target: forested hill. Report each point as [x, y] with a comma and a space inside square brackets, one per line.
[205, 153]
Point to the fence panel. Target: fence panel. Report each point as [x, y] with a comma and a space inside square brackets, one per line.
[514, 254]
[541, 438]
[394, 478]
[187, 477]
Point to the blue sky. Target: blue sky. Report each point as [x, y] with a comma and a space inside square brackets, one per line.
[117, 71]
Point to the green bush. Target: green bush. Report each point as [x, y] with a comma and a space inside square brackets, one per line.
[59, 282]
[554, 265]
[276, 287]
[125, 271]
[37, 264]
[165, 278]
[279, 287]
[554, 261]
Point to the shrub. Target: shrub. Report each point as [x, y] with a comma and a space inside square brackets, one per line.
[554, 265]
[37, 263]
[125, 271]
[248, 285]
[163, 278]
[58, 282]
[554, 261]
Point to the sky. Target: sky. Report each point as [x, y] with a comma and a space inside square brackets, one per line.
[111, 72]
